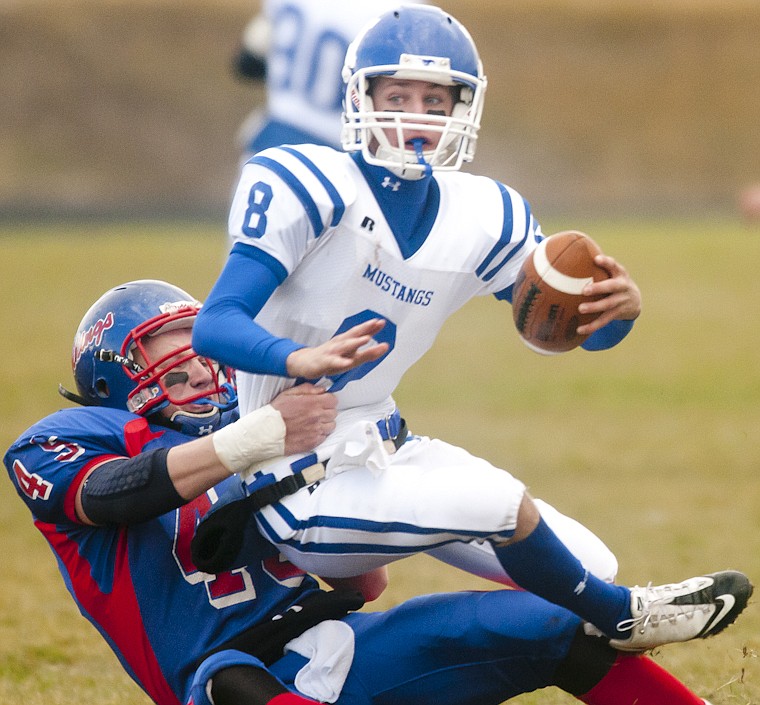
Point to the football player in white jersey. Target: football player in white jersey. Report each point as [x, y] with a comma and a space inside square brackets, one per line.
[298, 48]
[344, 267]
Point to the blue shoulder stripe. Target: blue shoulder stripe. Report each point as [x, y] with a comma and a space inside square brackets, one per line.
[339, 207]
[516, 248]
[297, 188]
[506, 231]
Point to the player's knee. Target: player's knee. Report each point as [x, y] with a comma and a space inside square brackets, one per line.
[528, 517]
[596, 557]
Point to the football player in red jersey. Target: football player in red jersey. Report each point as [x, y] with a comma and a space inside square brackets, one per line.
[117, 485]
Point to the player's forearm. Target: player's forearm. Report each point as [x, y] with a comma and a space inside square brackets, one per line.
[195, 468]
[227, 334]
[133, 490]
[199, 465]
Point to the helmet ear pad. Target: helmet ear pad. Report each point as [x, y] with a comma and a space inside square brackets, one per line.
[101, 388]
[466, 96]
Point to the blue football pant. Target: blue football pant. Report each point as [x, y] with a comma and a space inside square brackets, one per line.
[468, 648]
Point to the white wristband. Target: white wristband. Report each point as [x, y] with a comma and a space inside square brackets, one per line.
[254, 437]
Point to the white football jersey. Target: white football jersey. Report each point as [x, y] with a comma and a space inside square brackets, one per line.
[321, 220]
[311, 209]
[308, 44]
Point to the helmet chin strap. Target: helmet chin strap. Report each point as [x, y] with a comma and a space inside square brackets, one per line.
[204, 422]
[197, 424]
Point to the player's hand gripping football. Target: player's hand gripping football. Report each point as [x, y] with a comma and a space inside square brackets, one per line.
[343, 352]
[622, 298]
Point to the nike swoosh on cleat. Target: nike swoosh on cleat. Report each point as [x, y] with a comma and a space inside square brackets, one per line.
[728, 602]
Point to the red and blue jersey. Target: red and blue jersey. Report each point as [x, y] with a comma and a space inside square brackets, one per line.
[136, 583]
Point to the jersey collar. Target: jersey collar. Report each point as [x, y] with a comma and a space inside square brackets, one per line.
[410, 206]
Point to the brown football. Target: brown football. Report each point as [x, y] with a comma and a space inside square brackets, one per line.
[548, 289]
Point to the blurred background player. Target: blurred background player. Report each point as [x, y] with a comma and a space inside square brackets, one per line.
[298, 48]
[117, 484]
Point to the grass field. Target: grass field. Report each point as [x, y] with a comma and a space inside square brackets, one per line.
[654, 445]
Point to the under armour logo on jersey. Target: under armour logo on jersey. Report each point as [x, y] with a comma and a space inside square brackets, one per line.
[388, 183]
[368, 223]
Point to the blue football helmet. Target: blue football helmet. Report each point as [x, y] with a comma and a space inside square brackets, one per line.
[413, 42]
[107, 372]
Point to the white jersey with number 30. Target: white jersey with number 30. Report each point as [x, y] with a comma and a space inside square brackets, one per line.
[308, 44]
[312, 211]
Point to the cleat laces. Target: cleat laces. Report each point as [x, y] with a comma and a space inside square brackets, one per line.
[651, 606]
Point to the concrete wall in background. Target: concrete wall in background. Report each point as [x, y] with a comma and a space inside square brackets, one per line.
[130, 108]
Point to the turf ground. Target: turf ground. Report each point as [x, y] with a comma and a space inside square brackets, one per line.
[654, 445]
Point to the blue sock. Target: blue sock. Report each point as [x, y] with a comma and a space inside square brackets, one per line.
[543, 565]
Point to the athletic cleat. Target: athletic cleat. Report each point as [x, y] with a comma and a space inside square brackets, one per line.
[694, 609]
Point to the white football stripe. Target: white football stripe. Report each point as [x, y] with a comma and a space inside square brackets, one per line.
[540, 351]
[554, 278]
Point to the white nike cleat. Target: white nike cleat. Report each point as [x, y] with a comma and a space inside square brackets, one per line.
[694, 609]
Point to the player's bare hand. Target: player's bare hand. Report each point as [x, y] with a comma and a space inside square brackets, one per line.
[309, 414]
[622, 298]
[350, 349]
